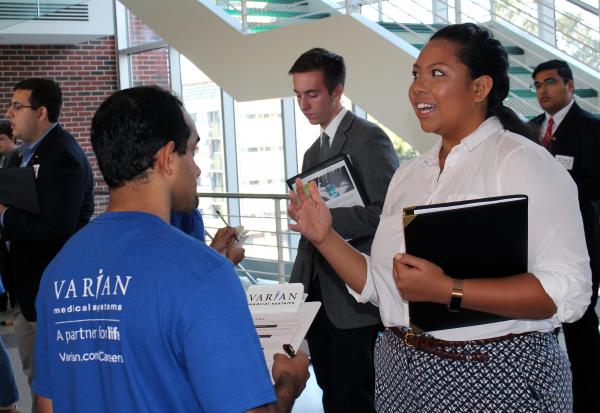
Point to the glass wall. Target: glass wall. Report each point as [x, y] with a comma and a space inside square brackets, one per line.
[241, 147]
[261, 170]
[143, 55]
[202, 99]
[150, 68]
[259, 142]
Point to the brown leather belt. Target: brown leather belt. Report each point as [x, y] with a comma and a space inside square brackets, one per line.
[439, 348]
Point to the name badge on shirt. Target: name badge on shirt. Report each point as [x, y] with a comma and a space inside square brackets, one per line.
[566, 161]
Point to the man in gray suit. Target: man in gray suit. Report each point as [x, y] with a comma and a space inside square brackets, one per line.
[342, 337]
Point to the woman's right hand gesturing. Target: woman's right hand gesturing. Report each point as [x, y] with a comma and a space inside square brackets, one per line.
[313, 218]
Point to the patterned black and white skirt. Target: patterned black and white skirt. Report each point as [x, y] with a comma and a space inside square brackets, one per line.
[527, 373]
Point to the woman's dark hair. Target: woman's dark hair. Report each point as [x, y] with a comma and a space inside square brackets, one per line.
[131, 126]
[483, 55]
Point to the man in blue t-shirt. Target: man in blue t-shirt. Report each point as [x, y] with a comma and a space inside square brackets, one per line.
[133, 314]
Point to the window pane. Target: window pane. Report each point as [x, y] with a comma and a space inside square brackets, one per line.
[260, 162]
[138, 32]
[419, 11]
[577, 32]
[473, 11]
[259, 140]
[402, 148]
[202, 99]
[151, 68]
[521, 13]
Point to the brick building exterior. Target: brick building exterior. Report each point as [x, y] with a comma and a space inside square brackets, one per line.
[87, 74]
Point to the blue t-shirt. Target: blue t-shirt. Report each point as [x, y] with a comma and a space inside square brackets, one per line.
[136, 316]
[189, 222]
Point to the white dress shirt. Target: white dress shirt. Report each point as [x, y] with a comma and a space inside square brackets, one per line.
[491, 161]
[333, 126]
[558, 117]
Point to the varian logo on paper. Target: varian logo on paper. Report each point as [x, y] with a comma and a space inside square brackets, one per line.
[275, 297]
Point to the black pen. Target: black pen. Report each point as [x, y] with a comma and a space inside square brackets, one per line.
[289, 350]
[225, 221]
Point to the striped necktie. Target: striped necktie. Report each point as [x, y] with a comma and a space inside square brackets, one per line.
[324, 151]
[548, 134]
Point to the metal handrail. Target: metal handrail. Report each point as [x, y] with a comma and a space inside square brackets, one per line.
[514, 61]
[585, 7]
[522, 45]
[279, 216]
[543, 23]
[231, 195]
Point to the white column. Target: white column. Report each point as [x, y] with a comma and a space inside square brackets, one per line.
[547, 21]
[440, 11]
[121, 33]
[175, 72]
[230, 155]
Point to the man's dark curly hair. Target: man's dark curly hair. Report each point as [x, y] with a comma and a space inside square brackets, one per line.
[131, 126]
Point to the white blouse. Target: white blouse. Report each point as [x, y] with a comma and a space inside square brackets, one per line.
[491, 161]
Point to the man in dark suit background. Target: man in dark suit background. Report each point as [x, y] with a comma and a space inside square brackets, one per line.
[341, 339]
[10, 157]
[64, 184]
[572, 135]
[9, 154]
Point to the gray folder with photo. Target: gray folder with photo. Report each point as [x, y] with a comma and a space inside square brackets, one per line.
[335, 181]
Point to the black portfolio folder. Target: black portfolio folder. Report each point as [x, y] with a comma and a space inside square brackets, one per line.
[17, 189]
[480, 238]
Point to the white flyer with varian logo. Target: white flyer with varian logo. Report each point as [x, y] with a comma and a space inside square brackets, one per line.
[281, 316]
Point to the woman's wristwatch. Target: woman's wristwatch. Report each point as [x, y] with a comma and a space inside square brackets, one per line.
[456, 296]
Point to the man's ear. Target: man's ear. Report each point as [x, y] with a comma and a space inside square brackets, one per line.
[571, 86]
[165, 157]
[42, 114]
[481, 88]
[338, 92]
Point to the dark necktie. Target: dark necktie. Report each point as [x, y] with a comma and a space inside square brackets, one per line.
[548, 134]
[324, 151]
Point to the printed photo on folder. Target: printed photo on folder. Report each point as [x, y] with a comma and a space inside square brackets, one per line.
[336, 182]
[17, 189]
[478, 238]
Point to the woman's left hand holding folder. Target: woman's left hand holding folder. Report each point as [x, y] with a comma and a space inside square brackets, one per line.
[420, 280]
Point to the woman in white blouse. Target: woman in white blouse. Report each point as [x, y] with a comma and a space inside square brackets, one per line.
[460, 82]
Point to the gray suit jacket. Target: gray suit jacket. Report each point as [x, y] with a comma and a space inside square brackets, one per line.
[374, 161]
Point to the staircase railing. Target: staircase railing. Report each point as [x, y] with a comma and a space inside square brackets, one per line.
[575, 36]
[462, 15]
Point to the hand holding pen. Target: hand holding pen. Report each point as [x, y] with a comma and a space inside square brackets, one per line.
[289, 350]
[220, 215]
[291, 372]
